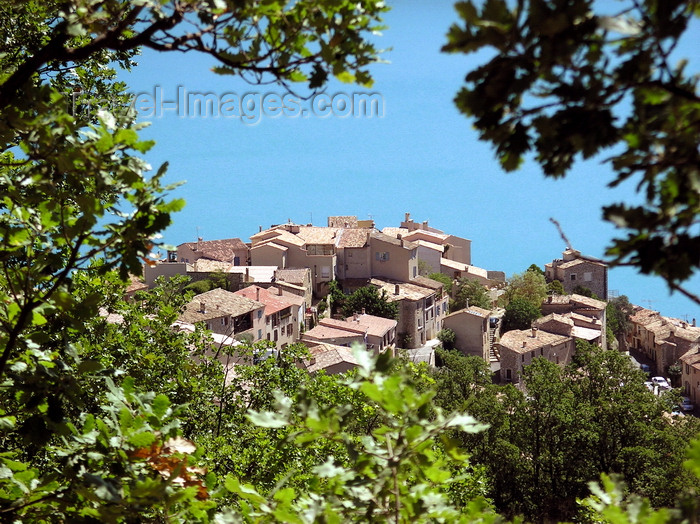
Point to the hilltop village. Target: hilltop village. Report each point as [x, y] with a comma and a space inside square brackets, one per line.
[277, 286]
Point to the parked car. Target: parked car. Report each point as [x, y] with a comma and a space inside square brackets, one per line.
[645, 368]
[650, 386]
[661, 382]
[676, 412]
[686, 405]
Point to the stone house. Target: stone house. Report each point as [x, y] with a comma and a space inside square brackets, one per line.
[281, 315]
[231, 250]
[584, 312]
[663, 340]
[574, 269]
[227, 313]
[518, 348]
[422, 307]
[330, 358]
[472, 329]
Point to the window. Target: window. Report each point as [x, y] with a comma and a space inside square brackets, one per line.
[259, 334]
[588, 276]
[437, 310]
[382, 255]
[508, 375]
[573, 277]
[276, 336]
[290, 330]
[325, 272]
[259, 314]
[415, 271]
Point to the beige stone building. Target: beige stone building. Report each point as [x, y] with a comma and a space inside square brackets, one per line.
[587, 316]
[231, 250]
[455, 248]
[472, 329]
[663, 340]
[330, 358]
[281, 314]
[574, 269]
[226, 313]
[422, 306]
[518, 348]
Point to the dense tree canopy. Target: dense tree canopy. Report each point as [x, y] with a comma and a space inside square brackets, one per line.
[569, 80]
[470, 293]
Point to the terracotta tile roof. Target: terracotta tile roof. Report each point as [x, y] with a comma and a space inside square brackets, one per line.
[293, 276]
[205, 265]
[218, 303]
[271, 244]
[318, 235]
[577, 301]
[135, 284]
[344, 325]
[375, 326]
[273, 303]
[395, 241]
[395, 231]
[353, 237]
[472, 310]
[579, 261]
[407, 291]
[427, 282]
[325, 356]
[513, 340]
[459, 266]
[297, 300]
[429, 236]
[223, 250]
[342, 221]
[330, 332]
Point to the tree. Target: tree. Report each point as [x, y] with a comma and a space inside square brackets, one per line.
[470, 293]
[519, 314]
[618, 313]
[529, 286]
[447, 338]
[555, 287]
[75, 187]
[369, 299]
[567, 82]
[443, 279]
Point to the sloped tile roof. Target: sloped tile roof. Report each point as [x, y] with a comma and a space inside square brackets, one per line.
[318, 235]
[375, 326]
[273, 303]
[223, 250]
[218, 303]
[513, 340]
[342, 221]
[353, 237]
[293, 276]
[325, 356]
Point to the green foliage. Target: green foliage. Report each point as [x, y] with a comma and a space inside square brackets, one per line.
[80, 441]
[372, 301]
[536, 269]
[424, 268]
[447, 338]
[519, 314]
[444, 280]
[470, 292]
[400, 472]
[565, 82]
[529, 286]
[618, 313]
[336, 296]
[555, 287]
[541, 451]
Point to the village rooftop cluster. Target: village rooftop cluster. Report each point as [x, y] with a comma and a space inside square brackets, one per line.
[279, 282]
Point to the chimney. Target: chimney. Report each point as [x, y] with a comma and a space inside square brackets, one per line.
[259, 229]
[398, 236]
[279, 291]
[694, 323]
[202, 307]
[257, 293]
[549, 299]
[534, 332]
[363, 311]
[355, 317]
[247, 274]
[524, 343]
[425, 224]
[407, 217]
[396, 289]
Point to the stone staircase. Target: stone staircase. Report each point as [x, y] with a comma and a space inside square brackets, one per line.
[493, 350]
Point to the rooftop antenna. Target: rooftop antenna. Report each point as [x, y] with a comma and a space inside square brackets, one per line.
[561, 232]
